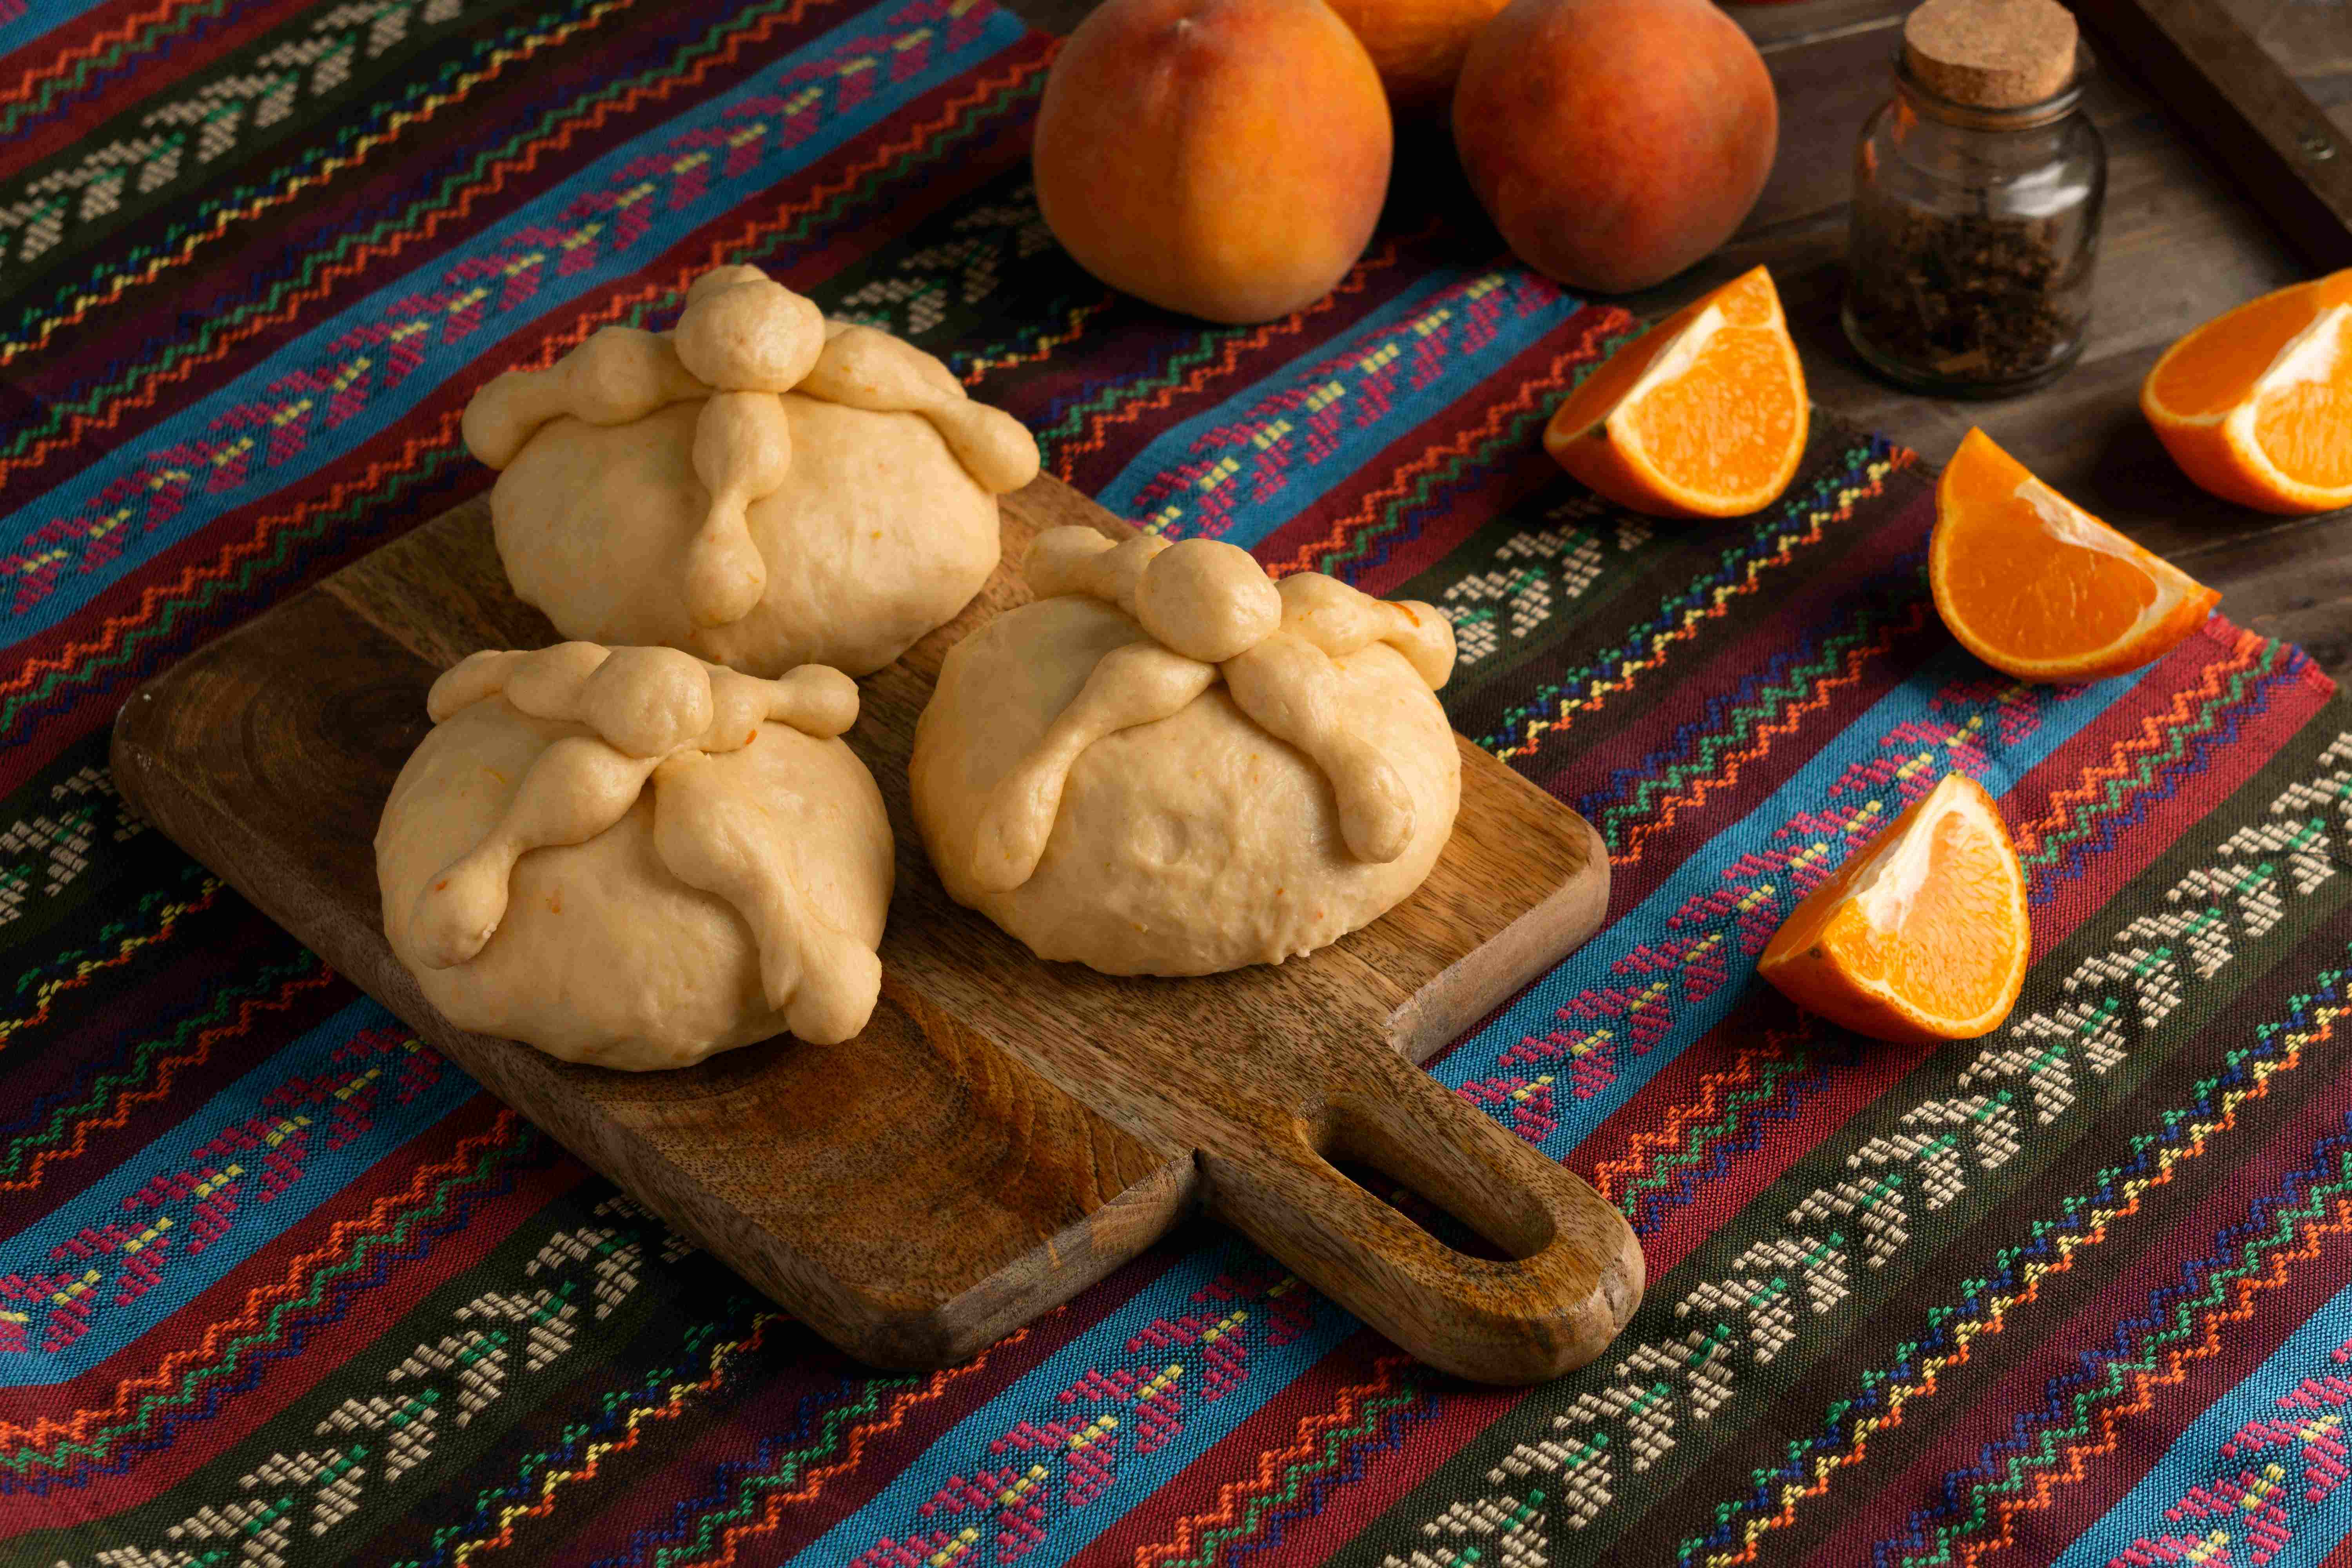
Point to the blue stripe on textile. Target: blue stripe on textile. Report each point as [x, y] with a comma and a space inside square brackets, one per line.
[1856, 773]
[19, 27]
[206, 1234]
[1008, 1441]
[1241, 469]
[468, 286]
[2258, 1477]
[1685, 957]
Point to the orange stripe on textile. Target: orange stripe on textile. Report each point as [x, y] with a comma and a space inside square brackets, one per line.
[1233, 1496]
[2086, 792]
[1498, 415]
[1248, 343]
[379, 1217]
[89, 49]
[166, 1070]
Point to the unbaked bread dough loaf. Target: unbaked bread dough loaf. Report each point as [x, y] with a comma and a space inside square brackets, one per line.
[762, 488]
[1169, 764]
[630, 857]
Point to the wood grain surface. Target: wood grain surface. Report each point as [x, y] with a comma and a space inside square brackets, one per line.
[1005, 1131]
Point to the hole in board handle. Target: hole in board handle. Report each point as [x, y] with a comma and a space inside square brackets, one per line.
[1436, 1185]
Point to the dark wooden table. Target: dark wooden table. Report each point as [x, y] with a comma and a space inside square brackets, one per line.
[2180, 246]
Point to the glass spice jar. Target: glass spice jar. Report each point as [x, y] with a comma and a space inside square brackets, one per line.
[1976, 204]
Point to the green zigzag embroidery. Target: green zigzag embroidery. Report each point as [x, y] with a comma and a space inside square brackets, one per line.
[154, 33]
[21, 1460]
[430, 466]
[213, 588]
[2073, 1212]
[1392, 518]
[226, 1002]
[1767, 1085]
[1773, 540]
[516, 35]
[110, 934]
[2118, 790]
[2047, 1442]
[658, 1386]
[827, 1440]
[1111, 397]
[1294, 1475]
[1740, 723]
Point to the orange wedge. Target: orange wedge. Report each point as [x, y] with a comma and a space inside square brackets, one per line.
[1920, 936]
[1703, 416]
[2256, 405]
[2033, 584]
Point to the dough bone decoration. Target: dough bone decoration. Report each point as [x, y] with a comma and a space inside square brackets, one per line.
[658, 714]
[1210, 610]
[742, 340]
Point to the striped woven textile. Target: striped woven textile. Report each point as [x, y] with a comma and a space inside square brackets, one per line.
[279, 1287]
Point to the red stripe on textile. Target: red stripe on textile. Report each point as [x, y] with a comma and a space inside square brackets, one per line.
[2072, 780]
[648, 1505]
[2258, 1317]
[1110, 439]
[543, 162]
[1520, 387]
[157, 71]
[1250, 1460]
[91, 1148]
[1686, 1093]
[248, 531]
[241, 1301]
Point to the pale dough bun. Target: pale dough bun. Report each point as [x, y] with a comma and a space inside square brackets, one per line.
[762, 487]
[543, 894]
[876, 536]
[1180, 844]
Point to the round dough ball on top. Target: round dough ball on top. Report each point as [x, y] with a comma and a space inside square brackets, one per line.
[762, 488]
[633, 858]
[1086, 777]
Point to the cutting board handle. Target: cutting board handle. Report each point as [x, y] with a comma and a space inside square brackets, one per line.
[1574, 1274]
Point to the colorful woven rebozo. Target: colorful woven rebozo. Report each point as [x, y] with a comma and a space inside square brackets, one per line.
[279, 1287]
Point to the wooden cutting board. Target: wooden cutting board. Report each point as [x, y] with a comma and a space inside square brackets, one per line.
[1005, 1131]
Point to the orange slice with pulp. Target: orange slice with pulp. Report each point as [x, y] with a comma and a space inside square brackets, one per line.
[1921, 936]
[2035, 585]
[2256, 405]
[1703, 416]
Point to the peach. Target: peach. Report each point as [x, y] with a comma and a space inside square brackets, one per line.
[1225, 158]
[1416, 44]
[1615, 141]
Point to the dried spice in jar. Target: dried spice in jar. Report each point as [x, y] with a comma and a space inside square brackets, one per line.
[1975, 208]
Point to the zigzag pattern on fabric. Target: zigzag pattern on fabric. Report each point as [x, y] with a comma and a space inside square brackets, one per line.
[1326, 1449]
[179, 1213]
[294, 1504]
[374, 358]
[276, 1322]
[154, 920]
[77, 72]
[1081, 427]
[2085, 1221]
[204, 124]
[267, 551]
[1913, 1373]
[107, 1100]
[1400, 504]
[1706, 755]
[2144, 769]
[2083, 1409]
[85, 409]
[1663, 1391]
[1775, 541]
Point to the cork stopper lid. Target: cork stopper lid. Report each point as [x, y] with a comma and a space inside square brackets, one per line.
[1992, 54]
